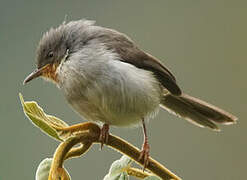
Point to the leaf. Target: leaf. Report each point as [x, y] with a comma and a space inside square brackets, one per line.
[51, 125]
[117, 169]
[43, 171]
[121, 176]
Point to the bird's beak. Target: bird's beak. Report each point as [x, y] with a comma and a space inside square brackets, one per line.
[36, 73]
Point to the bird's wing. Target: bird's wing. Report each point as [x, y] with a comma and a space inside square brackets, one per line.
[130, 53]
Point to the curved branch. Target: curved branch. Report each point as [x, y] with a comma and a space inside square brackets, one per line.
[78, 151]
[65, 150]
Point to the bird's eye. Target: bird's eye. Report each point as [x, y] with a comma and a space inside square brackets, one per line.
[50, 54]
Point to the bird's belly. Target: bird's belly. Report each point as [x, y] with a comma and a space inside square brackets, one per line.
[114, 110]
[121, 95]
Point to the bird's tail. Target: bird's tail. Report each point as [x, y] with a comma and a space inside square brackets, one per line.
[197, 111]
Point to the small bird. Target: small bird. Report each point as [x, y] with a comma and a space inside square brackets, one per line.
[107, 78]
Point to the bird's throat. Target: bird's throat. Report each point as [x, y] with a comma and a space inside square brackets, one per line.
[50, 72]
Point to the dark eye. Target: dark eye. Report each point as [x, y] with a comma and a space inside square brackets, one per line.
[50, 54]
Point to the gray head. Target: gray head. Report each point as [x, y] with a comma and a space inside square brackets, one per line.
[55, 45]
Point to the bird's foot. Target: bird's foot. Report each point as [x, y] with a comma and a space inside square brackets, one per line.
[104, 135]
[145, 154]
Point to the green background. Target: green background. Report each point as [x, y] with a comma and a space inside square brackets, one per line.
[202, 42]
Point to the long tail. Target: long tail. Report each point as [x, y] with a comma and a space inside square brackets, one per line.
[197, 111]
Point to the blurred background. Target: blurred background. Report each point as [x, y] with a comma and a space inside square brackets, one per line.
[202, 42]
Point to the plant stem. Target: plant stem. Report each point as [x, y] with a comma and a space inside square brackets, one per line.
[65, 150]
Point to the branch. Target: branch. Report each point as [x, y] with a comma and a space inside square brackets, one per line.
[85, 134]
[89, 135]
[137, 173]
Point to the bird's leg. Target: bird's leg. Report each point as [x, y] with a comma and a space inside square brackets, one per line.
[104, 135]
[145, 147]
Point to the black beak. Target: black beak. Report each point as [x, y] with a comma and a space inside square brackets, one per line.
[36, 73]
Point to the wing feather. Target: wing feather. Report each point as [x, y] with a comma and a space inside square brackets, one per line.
[130, 53]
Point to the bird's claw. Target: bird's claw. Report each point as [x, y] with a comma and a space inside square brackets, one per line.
[104, 135]
[145, 155]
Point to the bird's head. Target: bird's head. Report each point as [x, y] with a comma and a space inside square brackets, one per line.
[51, 50]
[55, 47]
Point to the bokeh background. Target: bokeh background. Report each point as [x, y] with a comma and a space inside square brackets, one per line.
[202, 42]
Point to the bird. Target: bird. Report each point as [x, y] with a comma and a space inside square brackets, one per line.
[106, 78]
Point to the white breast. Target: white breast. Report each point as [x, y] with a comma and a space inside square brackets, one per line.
[101, 88]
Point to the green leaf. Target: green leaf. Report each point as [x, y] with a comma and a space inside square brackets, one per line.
[123, 176]
[43, 170]
[117, 170]
[51, 125]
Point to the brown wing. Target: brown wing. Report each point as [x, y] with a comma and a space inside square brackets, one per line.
[130, 53]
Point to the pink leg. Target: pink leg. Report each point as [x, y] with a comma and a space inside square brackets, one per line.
[145, 147]
[104, 135]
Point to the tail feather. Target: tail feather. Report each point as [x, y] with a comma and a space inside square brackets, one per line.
[197, 111]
